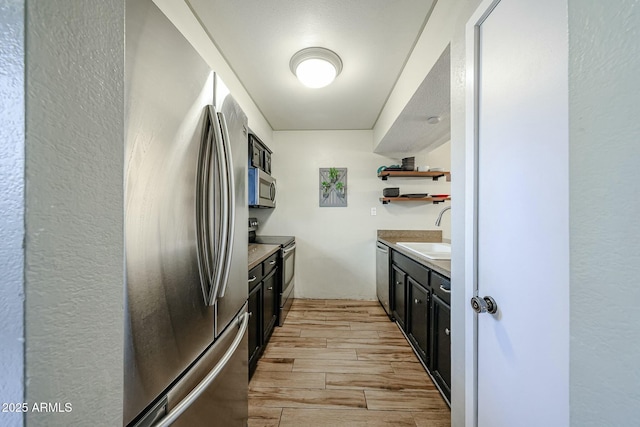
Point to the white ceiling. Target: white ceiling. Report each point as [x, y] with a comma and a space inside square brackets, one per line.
[411, 132]
[374, 38]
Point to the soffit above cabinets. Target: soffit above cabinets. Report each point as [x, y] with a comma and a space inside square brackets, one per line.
[374, 39]
[411, 132]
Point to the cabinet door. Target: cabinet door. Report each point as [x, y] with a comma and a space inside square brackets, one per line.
[419, 318]
[267, 162]
[398, 282]
[441, 358]
[255, 152]
[270, 303]
[255, 327]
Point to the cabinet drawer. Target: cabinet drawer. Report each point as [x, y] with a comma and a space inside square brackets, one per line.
[255, 276]
[419, 272]
[269, 264]
[441, 286]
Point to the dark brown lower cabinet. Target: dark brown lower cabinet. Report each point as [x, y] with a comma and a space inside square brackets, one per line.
[421, 307]
[263, 306]
[399, 292]
[419, 318]
[441, 359]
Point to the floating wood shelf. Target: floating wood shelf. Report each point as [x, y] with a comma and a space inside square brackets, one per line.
[405, 174]
[434, 200]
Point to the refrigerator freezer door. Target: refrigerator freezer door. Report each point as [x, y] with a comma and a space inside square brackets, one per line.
[213, 392]
[168, 324]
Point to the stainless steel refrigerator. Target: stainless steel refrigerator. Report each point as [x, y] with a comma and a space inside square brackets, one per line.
[185, 234]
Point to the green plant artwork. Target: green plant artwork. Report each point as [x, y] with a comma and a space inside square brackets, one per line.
[333, 187]
[333, 174]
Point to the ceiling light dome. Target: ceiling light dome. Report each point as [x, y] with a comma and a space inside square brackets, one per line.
[316, 67]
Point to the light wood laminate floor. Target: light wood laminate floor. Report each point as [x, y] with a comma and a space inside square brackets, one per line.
[342, 363]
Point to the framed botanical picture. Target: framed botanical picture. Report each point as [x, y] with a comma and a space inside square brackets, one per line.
[333, 187]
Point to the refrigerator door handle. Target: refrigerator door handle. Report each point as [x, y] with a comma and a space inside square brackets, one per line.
[221, 253]
[243, 321]
[202, 208]
[231, 198]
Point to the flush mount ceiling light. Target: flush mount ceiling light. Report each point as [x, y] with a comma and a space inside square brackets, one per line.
[315, 67]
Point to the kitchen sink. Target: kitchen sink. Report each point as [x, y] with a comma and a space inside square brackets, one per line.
[429, 249]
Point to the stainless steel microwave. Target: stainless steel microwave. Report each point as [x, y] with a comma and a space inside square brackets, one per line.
[262, 189]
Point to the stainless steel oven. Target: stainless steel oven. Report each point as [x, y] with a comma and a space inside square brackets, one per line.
[288, 255]
[262, 189]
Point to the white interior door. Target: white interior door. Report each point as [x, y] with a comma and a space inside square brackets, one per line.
[520, 209]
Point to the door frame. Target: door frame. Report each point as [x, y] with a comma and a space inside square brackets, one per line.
[472, 40]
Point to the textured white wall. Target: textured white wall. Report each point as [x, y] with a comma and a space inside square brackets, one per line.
[441, 158]
[462, 383]
[336, 246]
[74, 265]
[604, 59]
[11, 206]
[182, 17]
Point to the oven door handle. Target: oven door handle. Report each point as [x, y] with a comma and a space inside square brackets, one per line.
[286, 251]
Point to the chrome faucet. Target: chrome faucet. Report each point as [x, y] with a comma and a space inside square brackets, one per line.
[440, 215]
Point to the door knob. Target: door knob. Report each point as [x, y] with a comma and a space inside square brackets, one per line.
[484, 305]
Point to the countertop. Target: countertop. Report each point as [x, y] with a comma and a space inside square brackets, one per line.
[392, 237]
[258, 253]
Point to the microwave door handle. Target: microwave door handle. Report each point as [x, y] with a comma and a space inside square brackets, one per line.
[272, 191]
[222, 218]
[202, 247]
[231, 200]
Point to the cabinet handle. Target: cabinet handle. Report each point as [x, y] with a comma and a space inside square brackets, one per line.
[272, 262]
[417, 301]
[447, 331]
[270, 288]
[443, 289]
[398, 283]
[253, 279]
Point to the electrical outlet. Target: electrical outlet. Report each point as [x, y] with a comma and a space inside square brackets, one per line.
[374, 212]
